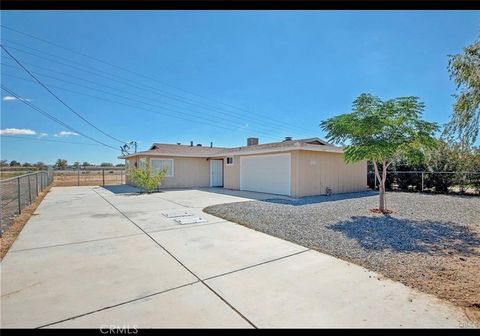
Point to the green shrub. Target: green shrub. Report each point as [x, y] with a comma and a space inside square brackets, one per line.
[146, 179]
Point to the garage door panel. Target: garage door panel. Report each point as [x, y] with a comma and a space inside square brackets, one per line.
[266, 173]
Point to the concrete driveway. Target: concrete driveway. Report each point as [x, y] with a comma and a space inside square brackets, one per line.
[93, 257]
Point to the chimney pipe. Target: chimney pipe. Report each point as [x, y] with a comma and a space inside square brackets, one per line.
[211, 144]
[191, 143]
[252, 141]
[288, 139]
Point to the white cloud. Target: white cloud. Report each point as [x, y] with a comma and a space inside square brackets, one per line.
[17, 131]
[41, 135]
[10, 98]
[63, 134]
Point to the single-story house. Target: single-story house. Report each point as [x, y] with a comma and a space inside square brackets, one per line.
[290, 167]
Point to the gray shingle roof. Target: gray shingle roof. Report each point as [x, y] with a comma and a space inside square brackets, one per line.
[204, 151]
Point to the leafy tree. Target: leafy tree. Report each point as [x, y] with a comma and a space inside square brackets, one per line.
[26, 164]
[146, 178]
[76, 165]
[14, 163]
[120, 165]
[86, 164]
[382, 132]
[3, 163]
[61, 164]
[464, 69]
[106, 164]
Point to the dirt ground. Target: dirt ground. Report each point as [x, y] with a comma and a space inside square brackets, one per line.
[11, 233]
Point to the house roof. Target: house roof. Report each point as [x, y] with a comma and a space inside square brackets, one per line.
[314, 144]
[179, 150]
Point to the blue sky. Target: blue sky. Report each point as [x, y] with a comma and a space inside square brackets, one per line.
[218, 76]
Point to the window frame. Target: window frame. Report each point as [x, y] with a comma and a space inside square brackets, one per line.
[161, 159]
[233, 160]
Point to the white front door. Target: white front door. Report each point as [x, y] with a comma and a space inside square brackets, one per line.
[216, 173]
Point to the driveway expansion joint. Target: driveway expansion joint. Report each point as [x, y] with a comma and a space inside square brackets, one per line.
[256, 265]
[177, 260]
[117, 305]
[75, 243]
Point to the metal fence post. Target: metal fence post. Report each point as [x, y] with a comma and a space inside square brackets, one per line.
[36, 183]
[422, 179]
[78, 176]
[121, 176]
[103, 176]
[29, 190]
[18, 194]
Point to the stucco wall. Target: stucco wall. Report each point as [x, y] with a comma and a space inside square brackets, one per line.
[188, 172]
[231, 174]
[313, 172]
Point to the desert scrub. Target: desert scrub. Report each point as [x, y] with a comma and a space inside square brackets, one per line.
[146, 178]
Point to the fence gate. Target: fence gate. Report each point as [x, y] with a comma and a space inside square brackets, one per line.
[89, 176]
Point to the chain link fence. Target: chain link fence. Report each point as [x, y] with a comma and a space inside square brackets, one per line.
[18, 192]
[88, 176]
[435, 182]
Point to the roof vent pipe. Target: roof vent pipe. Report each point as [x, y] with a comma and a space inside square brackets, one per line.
[211, 144]
[288, 139]
[191, 143]
[199, 145]
[252, 141]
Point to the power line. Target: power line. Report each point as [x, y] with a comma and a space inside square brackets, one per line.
[200, 120]
[48, 115]
[267, 128]
[148, 77]
[215, 121]
[58, 98]
[49, 140]
[144, 87]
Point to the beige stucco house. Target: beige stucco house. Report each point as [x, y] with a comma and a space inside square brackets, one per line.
[295, 168]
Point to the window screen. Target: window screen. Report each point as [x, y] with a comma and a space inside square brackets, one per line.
[159, 164]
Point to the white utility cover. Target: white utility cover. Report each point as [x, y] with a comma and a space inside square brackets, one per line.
[266, 173]
[175, 213]
[189, 220]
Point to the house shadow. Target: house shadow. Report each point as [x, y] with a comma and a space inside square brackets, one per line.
[404, 235]
[122, 189]
[321, 198]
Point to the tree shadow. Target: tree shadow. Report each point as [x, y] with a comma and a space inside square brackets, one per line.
[321, 198]
[404, 235]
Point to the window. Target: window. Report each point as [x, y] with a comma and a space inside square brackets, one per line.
[160, 164]
[229, 160]
[142, 163]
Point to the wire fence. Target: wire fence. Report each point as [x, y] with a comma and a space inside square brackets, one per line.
[18, 192]
[434, 182]
[89, 176]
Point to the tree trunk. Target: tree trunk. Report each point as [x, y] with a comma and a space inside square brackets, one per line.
[381, 184]
[381, 205]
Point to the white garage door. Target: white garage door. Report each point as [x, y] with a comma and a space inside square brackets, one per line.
[266, 173]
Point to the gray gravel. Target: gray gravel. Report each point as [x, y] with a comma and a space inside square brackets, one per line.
[431, 242]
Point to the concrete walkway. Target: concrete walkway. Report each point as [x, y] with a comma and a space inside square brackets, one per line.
[93, 257]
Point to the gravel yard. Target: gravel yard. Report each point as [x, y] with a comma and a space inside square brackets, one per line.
[430, 242]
